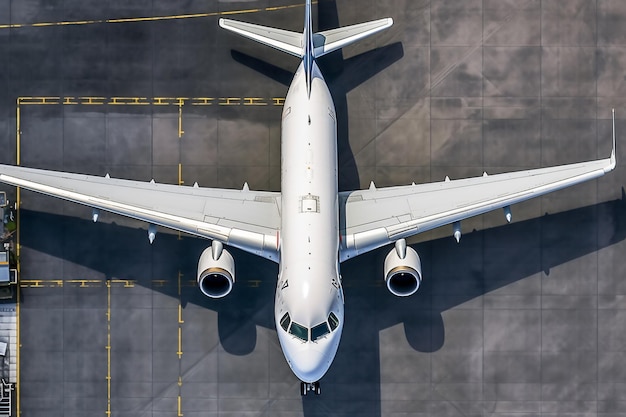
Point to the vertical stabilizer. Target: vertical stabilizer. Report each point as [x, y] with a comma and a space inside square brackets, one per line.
[307, 38]
[306, 45]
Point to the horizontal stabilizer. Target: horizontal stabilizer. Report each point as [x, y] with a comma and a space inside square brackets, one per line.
[331, 40]
[283, 40]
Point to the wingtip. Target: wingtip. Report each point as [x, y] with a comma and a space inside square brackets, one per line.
[613, 159]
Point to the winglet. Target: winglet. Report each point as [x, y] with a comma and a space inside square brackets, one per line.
[613, 158]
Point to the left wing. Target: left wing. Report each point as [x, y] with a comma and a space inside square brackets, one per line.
[248, 220]
[375, 217]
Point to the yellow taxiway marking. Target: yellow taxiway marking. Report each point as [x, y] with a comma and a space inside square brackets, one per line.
[85, 282]
[39, 283]
[122, 283]
[180, 119]
[148, 18]
[108, 348]
[128, 283]
[180, 342]
[152, 101]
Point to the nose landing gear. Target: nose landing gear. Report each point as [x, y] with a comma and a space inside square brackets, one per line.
[305, 387]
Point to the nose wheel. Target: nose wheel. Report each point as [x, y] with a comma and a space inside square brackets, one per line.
[305, 387]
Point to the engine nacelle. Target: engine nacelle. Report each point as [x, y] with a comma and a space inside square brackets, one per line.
[216, 271]
[403, 275]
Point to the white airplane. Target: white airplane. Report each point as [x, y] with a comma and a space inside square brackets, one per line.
[309, 227]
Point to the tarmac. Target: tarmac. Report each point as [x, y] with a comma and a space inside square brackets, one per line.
[526, 319]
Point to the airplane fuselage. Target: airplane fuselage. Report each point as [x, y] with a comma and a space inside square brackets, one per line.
[309, 287]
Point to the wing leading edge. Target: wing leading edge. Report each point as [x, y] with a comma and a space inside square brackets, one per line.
[375, 217]
[248, 220]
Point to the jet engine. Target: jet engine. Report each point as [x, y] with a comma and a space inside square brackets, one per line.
[403, 270]
[216, 271]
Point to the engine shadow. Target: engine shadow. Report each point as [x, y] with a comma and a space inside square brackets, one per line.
[69, 247]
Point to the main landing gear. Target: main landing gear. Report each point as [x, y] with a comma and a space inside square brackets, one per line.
[305, 387]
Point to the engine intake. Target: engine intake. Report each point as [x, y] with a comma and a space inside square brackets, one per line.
[216, 271]
[403, 270]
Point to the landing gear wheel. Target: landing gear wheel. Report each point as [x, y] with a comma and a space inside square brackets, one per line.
[317, 388]
[305, 387]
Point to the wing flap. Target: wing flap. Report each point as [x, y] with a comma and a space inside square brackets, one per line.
[245, 219]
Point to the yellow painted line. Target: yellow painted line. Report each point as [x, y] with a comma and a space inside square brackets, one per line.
[180, 342]
[92, 100]
[202, 101]
[254, 101]
[70, 100]
[179, 407]
[180, 314]
[180, 119]
[17, 155]
[108, 348]
[278, 101]
[148, 18]
[85, 282]
[152, 101]
[229, 101]
[131, 101]
[39, 100]
[38, 283]
[159, 282]
[128, 283]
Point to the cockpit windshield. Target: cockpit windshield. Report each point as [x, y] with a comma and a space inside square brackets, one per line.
[319, 331]
[333, 321]
[302, 332]
[285, 322]
[299, 331]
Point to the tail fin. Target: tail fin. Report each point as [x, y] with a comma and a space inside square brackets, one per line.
[308, 53]
[306, 45]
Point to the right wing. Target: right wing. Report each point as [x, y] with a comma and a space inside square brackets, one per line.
[378, 216]
[248, 220]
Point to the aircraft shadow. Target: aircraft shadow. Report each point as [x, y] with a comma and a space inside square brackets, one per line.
[341, 76]
[453, 274]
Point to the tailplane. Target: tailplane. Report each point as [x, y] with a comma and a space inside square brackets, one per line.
[330, 40]
[308, 43]
[283, 40]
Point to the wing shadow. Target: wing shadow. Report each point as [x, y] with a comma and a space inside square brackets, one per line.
[454, 274]
[483, 262]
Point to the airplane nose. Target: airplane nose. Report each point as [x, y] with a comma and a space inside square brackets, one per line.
[309, 365]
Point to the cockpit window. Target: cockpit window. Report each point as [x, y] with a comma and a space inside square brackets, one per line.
[299, 331]
[319, 331]
[285, 321]
[333, 321]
